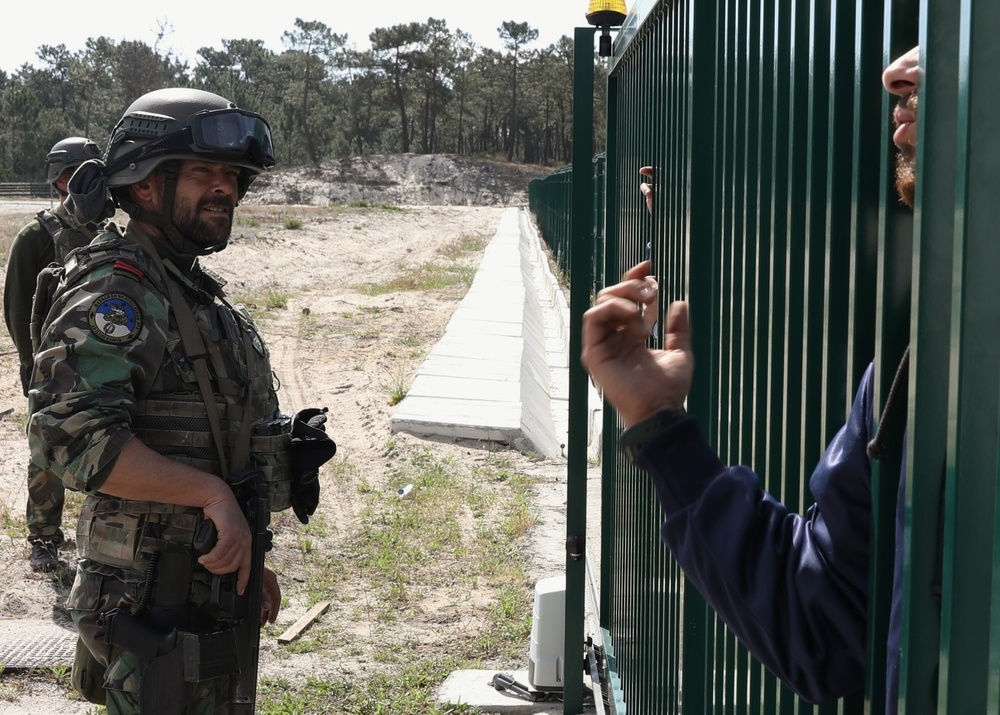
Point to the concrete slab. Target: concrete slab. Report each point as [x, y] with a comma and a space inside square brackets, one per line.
[500, 371]
[473, 687]
[459, 387]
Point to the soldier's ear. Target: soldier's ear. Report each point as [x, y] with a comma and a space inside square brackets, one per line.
[61, 182]
[147, 193]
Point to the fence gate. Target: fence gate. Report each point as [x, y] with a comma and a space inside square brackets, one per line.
[769, 133]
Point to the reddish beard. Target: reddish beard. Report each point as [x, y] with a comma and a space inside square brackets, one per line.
[906, 164]
[906, 176]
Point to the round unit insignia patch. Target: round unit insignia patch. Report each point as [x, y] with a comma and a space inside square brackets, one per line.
[115, 318]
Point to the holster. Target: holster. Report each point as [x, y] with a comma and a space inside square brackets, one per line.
[174, 661]
[162, 689]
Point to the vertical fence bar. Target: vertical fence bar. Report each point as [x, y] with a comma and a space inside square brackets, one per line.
[974, 387]
[979, 98]
[774, 429]
[926, 458]
[892, 331]
[870, 134]
[582, 256]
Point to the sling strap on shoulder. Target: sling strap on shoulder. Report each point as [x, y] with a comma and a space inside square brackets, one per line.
[196, 351]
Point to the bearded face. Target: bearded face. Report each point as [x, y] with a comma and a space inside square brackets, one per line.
[906, 159]
[207, 222]
[204, 201]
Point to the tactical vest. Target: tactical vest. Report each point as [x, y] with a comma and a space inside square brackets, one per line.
[66, 237]
[66, 234]
[176, 424]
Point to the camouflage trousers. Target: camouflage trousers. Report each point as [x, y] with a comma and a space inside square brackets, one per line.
[46, 495]
[95, 594]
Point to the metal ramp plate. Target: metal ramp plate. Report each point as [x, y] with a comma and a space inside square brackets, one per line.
[27, 644]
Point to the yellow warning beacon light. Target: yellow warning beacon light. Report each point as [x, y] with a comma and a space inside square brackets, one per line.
[606, 14]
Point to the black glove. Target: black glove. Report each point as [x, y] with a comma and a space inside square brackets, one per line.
[305, 496]
[310, 448]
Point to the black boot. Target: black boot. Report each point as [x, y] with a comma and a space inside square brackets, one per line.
[44, 556]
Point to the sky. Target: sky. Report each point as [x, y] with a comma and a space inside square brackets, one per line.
[192, 25]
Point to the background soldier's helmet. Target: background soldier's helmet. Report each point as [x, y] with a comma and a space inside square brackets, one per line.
[69, 153]
[181, 123]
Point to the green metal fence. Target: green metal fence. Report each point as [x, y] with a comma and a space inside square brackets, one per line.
[776, 219]
[551, 201]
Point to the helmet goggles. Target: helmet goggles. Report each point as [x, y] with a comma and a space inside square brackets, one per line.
[228, 135]
[232, 133]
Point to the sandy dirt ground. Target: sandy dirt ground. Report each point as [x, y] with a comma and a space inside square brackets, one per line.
[358, 346]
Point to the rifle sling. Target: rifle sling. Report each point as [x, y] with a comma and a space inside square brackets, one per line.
[196, 352]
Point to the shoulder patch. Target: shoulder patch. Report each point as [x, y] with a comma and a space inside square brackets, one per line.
[115, 318]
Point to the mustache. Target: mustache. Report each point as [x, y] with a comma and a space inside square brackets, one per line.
[910, 102]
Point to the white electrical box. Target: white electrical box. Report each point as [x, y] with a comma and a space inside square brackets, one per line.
[548, 634]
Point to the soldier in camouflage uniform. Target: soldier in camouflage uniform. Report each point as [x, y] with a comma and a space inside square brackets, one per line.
[47, 238]
[124, 409]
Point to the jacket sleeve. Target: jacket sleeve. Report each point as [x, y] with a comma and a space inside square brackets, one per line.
[91, 369]
[792, 588]
[30, 252]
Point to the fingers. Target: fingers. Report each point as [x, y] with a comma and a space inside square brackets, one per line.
[270, 598]
[636, 285]
[609, 328]
[637, 272]
[243, 573]
[612, 313]
[678, 335]
[620, 314]
[229, 555]
[232, 550]
[648, 190]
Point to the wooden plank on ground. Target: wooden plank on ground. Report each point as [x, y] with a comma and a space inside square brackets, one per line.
[300, 625]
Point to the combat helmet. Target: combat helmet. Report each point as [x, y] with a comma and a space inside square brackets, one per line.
[69, 153]
[166, 126]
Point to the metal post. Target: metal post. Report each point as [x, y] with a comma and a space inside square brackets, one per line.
[581, 270]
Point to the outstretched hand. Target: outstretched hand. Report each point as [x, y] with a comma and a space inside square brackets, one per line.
[638, 381]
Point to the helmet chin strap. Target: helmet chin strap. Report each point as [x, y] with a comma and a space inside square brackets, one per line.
[163, 220]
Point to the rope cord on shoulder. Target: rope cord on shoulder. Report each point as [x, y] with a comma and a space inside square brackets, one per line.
[899, 381]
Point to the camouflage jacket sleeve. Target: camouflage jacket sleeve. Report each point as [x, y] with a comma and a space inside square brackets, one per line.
[102, 353]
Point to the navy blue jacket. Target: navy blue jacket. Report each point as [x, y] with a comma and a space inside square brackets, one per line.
[792, 588]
